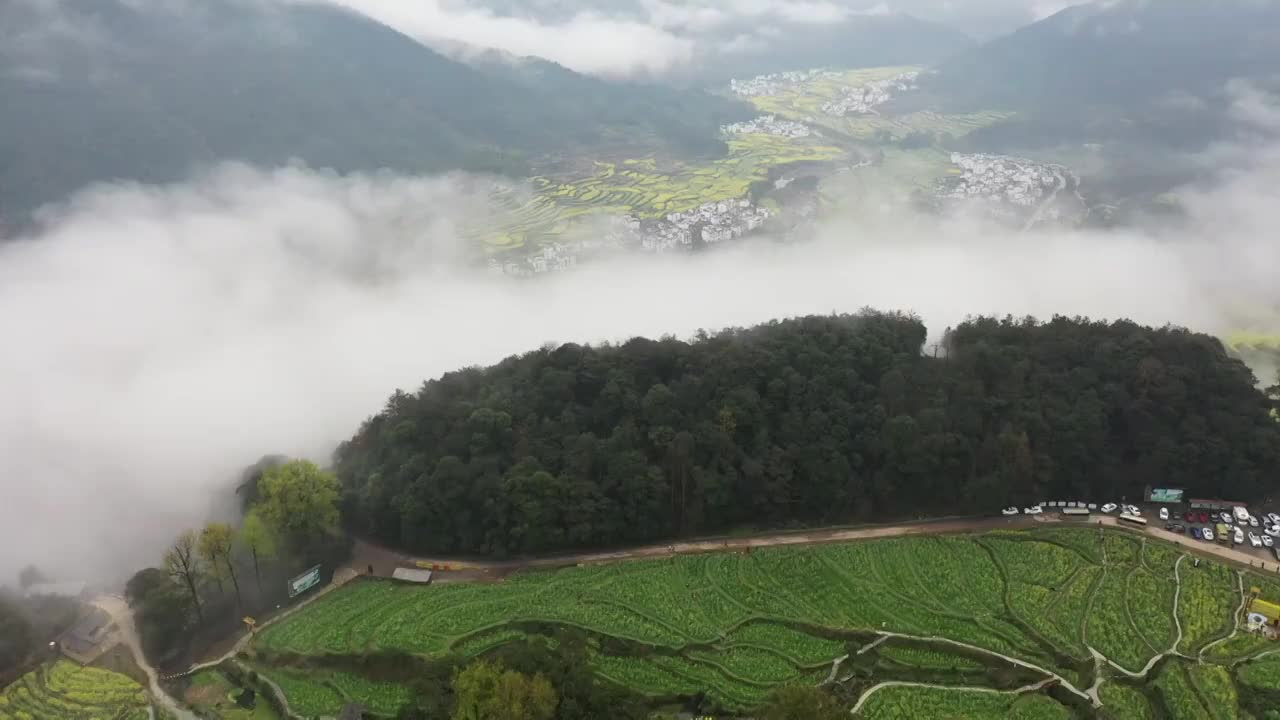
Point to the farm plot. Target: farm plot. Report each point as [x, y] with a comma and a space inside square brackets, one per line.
[735, 623]
[1124, 702]
[912, 702]
[1217, 689]
[927, 659]
[1207, 604]
[66, 691]
[1110, 629]
[1263, 674]
[1178, 695]
[802, 648]
[1240, 645]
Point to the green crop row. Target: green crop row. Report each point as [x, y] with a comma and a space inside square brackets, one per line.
[912, 703]
[1263, 673]
[803, 648]
[1124, 702]
[928, 659]
[1206, 603]
[1179, 696]
[1216, 687]
[66, 691]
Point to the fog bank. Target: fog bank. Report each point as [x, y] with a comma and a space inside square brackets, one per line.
[158, 340]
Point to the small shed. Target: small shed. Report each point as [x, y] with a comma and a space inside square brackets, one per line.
[89, 637]
[412, 575]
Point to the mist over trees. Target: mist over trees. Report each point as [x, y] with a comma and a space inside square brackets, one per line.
[814, 420]
[201, 593]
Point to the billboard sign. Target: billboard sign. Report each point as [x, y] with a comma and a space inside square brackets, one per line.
[304, 582]
[1165, 495]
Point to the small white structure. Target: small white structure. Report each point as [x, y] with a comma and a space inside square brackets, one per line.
[413, 575]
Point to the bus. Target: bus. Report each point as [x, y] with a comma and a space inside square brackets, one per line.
[1133, 519]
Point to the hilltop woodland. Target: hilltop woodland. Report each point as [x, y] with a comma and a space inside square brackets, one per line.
[212, 578]
[814, 420]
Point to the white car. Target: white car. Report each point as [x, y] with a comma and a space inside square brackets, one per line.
[1266, 540]
[1009, 511]
[1093, 506]
[1227, 518]
[1134, 510]
[1253, 521]
[1207, 534]
[1109, 507]
[1274, 518]
[1272, 530]
[1033, 510]
[1254, 540]
[1164, 513]
[1238, 537]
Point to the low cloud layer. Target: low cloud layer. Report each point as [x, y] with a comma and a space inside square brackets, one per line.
[158, 340]
[651, 38]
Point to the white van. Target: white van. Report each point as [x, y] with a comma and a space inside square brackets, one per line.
[1241, 513]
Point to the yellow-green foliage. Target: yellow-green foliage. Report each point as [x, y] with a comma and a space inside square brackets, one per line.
[67, 691]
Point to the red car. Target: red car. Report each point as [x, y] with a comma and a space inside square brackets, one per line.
[1189, 516]
[1204, 517]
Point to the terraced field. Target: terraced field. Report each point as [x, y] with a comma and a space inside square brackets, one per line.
[557, 209]
[66, 691]
[735, 625]
[803, 102]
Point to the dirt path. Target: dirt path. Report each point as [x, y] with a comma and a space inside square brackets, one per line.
[386, 559]
[122, 616]
[1235, 618]
[902, 683]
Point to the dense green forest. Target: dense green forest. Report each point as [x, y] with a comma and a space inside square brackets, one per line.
[812, 420]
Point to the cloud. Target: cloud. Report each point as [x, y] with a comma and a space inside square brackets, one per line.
[588, 42]
[159, 339]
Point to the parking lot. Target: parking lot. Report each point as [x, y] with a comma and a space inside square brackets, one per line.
[1259, 532]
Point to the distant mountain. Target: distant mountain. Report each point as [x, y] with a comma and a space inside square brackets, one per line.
[858, 41]
[147, 91]
[1120, 52]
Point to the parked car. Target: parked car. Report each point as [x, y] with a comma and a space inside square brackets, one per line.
[1272, 530]
[1195, 533]
[1164, 513]
[1266, 540]
[1033, 510]
[1109, 507]
[1093, 506]
[1203, 517]
[1226, 518]
[1009, 511]
[1254, 540]
[1189, 516]
[1253, 521]
[1274, 518]
[1206, 534]
[1179, 528]
[1237, 536]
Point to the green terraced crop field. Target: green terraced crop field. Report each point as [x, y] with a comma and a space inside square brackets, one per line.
[67, 691]
[910, 703]
[733, 626]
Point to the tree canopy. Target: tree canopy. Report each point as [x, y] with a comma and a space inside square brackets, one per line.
[813, 420]
[298, 500]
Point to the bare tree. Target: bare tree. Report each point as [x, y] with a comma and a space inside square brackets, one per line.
[216, 542]
[183, 564]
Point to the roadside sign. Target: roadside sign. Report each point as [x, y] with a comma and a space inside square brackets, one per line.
[304, 582]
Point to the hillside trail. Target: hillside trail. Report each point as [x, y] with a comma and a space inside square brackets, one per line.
[958, 688]
[1235, 619]
[120, 613]
[1100, 658]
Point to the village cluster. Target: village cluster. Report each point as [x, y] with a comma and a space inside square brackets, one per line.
[712, 222]
[864, 99]
[769, 125]
[999, 178]
[771, 84]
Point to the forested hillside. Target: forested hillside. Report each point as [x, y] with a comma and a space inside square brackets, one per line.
[819, 419]
[115, 90]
